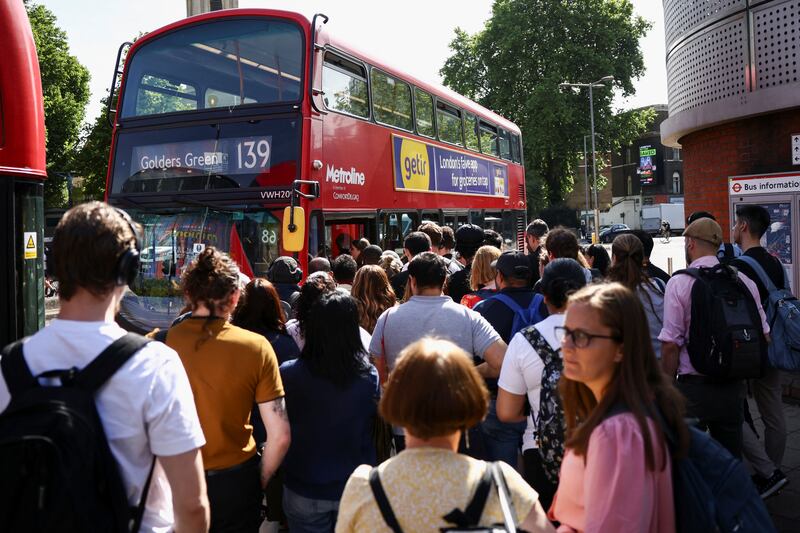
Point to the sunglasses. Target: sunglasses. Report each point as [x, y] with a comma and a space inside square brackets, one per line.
[580, 338]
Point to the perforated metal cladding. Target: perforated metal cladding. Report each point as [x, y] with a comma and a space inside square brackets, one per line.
[680, 16]
[709, 67]
[776, 36]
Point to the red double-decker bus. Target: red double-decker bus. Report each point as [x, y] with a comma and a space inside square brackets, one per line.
[226, 117]
[22, 175]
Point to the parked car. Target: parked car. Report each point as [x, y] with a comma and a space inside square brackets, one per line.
[608, 235]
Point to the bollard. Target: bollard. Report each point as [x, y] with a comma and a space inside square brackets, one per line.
[669, 266]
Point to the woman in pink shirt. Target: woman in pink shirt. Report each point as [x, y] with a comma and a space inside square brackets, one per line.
[616, 474]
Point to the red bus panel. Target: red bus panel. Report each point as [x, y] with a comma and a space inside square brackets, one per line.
[22, 137]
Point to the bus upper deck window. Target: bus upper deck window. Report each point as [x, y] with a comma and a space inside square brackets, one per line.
[471, 131]
[505, 144]
[516, 154]
[159, 95]
[489, 139]
[344, 84]
[424, 103]
[448, 119]
[391, 100]
[217, 98]
[221, 63]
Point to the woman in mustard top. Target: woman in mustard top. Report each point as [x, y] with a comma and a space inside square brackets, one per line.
[229, 369]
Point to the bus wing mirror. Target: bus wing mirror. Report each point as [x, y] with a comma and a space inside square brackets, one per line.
[294, 228]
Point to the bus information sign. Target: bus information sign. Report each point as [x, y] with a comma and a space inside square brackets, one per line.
[419, 166]
[237, 155]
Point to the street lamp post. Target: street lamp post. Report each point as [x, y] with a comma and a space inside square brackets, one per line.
[599, 83]
[585, 216]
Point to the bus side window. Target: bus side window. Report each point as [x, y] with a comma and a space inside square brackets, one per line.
[489, 139]
[471, 131]
[394, 227]
[424, 103]
[344, 83]
[516, 154]
[505, 144]
[449, 120]
[504, 223]
[391, 101]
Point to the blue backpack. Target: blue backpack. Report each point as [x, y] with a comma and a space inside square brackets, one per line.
[712, 489]
[522, 317]
[783, 315]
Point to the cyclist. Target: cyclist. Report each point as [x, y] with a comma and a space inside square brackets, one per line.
[665, 231]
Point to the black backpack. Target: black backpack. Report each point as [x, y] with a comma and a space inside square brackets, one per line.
[725, 336]
[58, 472]
[550, 422]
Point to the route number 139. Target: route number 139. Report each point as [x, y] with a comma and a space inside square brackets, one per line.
[253, 153]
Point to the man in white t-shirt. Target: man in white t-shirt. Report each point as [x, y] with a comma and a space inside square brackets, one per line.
[146, 407]
[523, 371]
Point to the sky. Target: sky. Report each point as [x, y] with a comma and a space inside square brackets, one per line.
[415, 39]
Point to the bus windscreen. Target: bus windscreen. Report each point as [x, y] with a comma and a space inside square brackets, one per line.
[221, 64]
[171, 239]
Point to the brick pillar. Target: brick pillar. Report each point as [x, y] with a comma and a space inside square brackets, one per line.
[759, 145]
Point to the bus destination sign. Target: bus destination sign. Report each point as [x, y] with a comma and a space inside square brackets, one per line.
[237, 155]
[419, 166]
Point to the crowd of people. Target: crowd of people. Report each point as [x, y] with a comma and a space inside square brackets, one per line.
[456, 385]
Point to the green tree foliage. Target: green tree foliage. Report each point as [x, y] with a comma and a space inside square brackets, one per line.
[515, 64]
[65, 87]
[91, 162]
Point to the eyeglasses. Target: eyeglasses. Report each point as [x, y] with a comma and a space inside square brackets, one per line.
[579, 338]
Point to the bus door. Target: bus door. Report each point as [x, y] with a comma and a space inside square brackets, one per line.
[340, 230]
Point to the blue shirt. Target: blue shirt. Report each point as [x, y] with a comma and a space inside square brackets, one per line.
[284, 346]
[331, 430]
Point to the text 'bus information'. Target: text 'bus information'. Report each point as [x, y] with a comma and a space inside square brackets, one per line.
[763, 184]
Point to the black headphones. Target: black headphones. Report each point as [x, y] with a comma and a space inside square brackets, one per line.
[128, 264]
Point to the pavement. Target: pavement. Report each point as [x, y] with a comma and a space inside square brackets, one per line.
[785, 505]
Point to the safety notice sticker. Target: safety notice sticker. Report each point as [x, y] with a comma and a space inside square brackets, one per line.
[30, 244]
